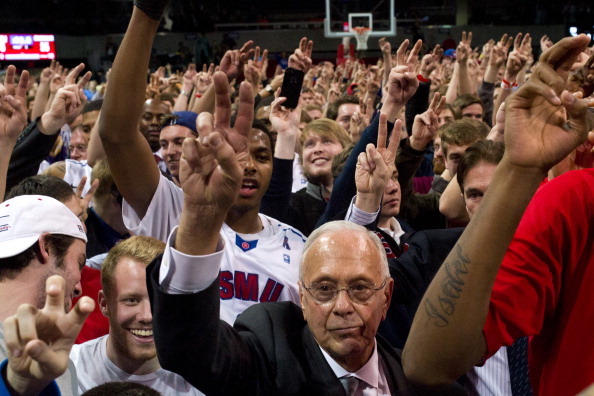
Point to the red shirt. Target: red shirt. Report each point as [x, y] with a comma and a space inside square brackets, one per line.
[545, 287]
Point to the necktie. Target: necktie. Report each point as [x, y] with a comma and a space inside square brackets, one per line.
[517, 357]
[350, 385]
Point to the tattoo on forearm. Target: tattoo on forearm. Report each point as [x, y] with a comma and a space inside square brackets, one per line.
[451, 288]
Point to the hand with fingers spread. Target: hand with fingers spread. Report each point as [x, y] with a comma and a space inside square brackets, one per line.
[582, 79]
[430, 62]
[234, 60]
[58, 80]
[47, 73]
[464, 48]
[515, 62]
[545, 43]
[203, 80]
[409, 59]
[13, 118]
[212, 168]
[301, 58]
[254, 72]
[373, 167]
[66, 106]
[543, 121]
[13, 105]
[500, 50]
[39, 341]
[236, 137]
[188, 79]
[426, 124]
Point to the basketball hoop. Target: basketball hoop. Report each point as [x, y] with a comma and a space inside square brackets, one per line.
[361, 34]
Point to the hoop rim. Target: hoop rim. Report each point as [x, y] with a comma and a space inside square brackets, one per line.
[360, 29]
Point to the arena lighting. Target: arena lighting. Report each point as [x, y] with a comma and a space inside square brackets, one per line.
[19, 46]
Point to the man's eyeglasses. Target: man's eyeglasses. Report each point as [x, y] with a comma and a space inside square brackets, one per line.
[359, 292]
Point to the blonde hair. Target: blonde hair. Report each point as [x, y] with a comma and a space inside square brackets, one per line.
[326, 128]
[140, 248]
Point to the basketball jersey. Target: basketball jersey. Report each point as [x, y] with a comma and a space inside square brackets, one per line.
[260, 267]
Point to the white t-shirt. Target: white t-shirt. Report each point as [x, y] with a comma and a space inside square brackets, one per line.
[94, 368]
[256, 268]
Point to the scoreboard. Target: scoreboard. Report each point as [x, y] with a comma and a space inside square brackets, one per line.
[27, 47]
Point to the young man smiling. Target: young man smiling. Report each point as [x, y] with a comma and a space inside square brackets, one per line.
[128, 352]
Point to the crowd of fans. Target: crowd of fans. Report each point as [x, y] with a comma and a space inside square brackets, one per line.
[186, 232]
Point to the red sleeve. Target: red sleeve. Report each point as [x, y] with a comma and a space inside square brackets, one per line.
[528, 285]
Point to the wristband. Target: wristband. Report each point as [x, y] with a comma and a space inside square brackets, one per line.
[505, 84]
[422, 79]
[153, 8]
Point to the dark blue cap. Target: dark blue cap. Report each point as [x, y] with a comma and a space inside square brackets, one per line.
[184, 118]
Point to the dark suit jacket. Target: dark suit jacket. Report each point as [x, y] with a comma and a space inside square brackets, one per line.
[269, 351]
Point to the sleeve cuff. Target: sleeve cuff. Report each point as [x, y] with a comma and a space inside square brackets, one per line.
[357, 216]
[184, 274]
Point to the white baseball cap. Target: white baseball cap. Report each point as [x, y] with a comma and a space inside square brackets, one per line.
[25, 218]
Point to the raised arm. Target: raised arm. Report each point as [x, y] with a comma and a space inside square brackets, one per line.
[13, 116]
[128, 153]
[402, 85]
[372, 172]
[446, 338]
[463, 53]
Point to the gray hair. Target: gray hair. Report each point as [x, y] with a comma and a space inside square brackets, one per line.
[343, 225]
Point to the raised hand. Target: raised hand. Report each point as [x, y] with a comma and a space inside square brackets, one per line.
[284, 119]
[545, 43]
[13, 105]
[47, 73]
[372, 173]
[73, 76]
[233, 61]
[66, 106]
[203, 80]
[582, 79]
[430, 61]
[464, 48]
[426, 124]
[39, 341]
[402, 85]
[255, 69]
[188, 78]
[409, 59]
[57, 81]
[515, 62]
[301, 58]
[537, 135]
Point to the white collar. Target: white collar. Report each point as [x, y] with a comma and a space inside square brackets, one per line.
[368, 373]
[395, 230]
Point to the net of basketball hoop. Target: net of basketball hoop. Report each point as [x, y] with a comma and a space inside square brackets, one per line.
[361, 35]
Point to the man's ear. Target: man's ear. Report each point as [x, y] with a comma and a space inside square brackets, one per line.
[389, 289]
[44, 253]
[301, 302]
[103, 303]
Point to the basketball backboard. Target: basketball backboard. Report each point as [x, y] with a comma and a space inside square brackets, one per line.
[343, 15]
